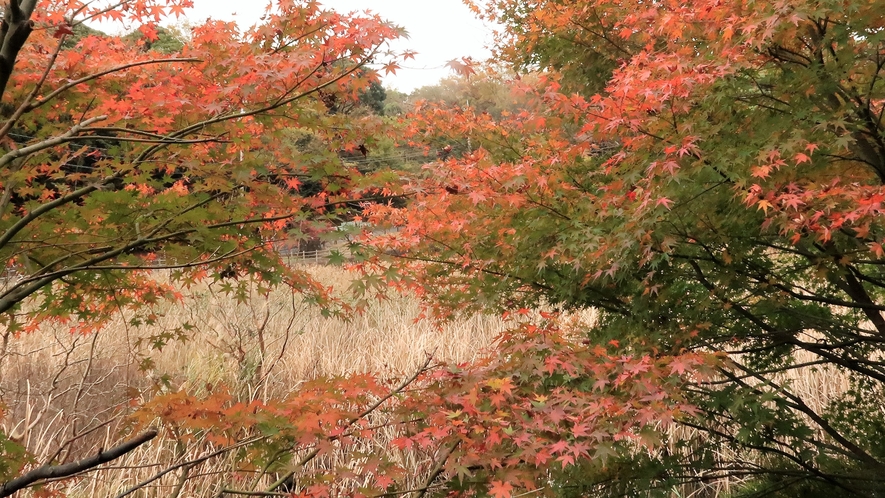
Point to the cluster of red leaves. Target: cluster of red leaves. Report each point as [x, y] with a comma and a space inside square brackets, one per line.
[547, 397]
[50, 14]
[712, 93]
[659, 112]
[317, 410]
[319, 419]
[543, 397]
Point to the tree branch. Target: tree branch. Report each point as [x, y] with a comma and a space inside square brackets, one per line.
[49, 142]
[189, 463]
[69, 469]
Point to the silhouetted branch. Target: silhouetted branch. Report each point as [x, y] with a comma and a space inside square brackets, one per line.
[69, 469]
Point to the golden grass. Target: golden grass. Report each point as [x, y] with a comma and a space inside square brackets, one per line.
[55, 385]
[288, 341]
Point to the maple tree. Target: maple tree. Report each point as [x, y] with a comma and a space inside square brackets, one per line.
[708, 176]
[153, 155]
[119, 159]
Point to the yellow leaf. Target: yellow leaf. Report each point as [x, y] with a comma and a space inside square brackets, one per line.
[764, 205]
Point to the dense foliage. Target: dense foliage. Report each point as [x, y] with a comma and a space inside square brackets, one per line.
[706, 176]
[709, 176]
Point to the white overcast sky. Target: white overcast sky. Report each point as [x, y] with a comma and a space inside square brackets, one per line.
[439, 30]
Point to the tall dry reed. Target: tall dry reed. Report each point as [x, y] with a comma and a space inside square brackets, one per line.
[56, 386]
[72, 391]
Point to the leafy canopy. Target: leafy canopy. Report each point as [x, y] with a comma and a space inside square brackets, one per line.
[117, 157]
[709, 177]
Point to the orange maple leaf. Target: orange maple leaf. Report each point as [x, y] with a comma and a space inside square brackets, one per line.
[501, 489]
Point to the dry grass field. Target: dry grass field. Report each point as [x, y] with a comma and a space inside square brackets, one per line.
[55, 384]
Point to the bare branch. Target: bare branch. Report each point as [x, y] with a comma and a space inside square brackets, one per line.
[438, 468]
[67, 470]
[190, 463]
[49, 142]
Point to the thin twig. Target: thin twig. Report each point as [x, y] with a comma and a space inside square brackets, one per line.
[189, 463]
[438, 468]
